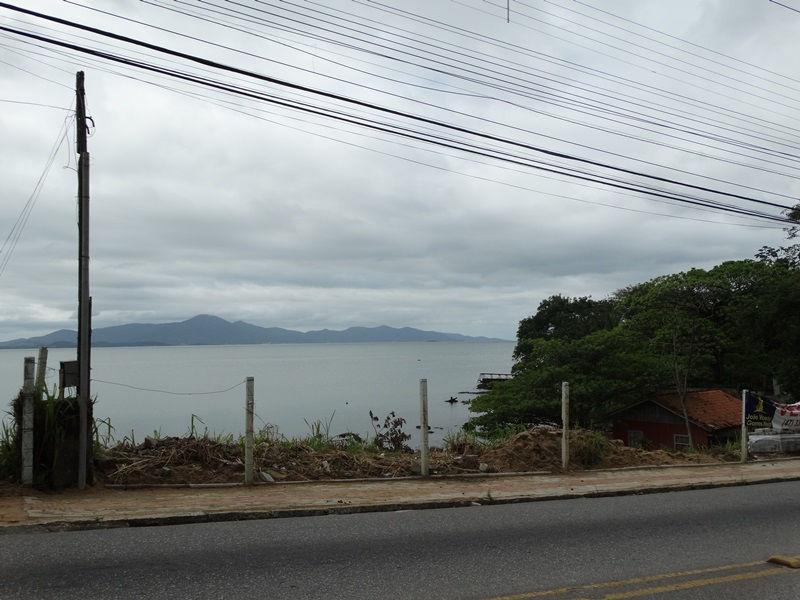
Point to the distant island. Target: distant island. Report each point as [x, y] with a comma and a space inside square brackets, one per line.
[204, 330]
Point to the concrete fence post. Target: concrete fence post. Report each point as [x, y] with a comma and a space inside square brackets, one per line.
[424, 457]
[743, 436]
[27, 420]
[565, 425]
[248, 434]
[41, 371]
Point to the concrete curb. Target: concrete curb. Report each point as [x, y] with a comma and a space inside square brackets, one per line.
[347, 509]
[451, 476]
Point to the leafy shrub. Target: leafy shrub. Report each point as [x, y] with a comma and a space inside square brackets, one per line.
[390, 436]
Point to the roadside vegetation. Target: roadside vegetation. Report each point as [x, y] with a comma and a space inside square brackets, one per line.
[319, 454]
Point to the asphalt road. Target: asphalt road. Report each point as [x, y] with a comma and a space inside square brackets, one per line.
[716, 540]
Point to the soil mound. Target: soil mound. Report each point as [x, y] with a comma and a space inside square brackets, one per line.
[539, 448]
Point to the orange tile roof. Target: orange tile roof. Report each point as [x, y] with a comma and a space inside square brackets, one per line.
[710, 409]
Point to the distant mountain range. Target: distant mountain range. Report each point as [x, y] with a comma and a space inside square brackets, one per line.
[211, 330]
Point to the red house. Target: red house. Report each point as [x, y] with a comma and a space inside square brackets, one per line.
[715, 417]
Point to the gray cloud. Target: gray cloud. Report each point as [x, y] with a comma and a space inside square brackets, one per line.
[200, 209]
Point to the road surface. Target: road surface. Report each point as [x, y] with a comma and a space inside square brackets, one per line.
[680, 545]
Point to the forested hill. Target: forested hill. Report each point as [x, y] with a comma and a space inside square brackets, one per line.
[211, 330]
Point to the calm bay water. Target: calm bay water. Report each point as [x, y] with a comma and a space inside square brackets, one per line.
[293, 382]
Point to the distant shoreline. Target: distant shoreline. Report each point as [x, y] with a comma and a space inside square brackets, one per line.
[209, 330]
[331, 343]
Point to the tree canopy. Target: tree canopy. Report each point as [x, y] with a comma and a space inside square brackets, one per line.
[736, 325]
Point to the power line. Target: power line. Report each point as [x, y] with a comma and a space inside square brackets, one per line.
[377, 127]
[748, 145]
[33, 104]
[15, 233]
[666, 93]
[339, 97]
[569, 100]
[33, 74]
[652, 39]
[362, 123]
[684, 40]
[227, 105]
[441, 141]
[785, 6]
[619, 133]
[372, 37]
[171, 393]
[640, 46]
[638, 66]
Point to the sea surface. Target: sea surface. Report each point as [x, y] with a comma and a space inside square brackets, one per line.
[294, 383]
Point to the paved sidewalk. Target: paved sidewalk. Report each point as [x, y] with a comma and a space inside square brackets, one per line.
[104, 507]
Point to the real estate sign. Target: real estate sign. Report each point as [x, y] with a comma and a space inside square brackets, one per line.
[763, 413]
[758, 412]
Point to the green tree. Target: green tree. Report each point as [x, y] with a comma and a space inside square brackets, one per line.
[562, 318]
[606, 369]
[735, 326]
[676, 318]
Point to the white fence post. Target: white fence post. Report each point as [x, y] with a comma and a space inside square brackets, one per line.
[423, 428]
[248, 435]
[27, 421]
[565, 425]
[743, 435]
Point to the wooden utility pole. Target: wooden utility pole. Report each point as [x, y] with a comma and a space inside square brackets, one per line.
[84, 300]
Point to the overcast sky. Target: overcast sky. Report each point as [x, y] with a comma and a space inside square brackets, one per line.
[200, 209]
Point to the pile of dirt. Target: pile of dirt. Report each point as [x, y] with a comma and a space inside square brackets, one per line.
[539, 448]
[204, 460]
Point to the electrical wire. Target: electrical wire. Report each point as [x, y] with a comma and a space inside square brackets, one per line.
[615, 132]
[34, 74]
[569, 64]
[642, 47]
[227, 104]
[767, 151]
[673, 46]
[15, 233]
[306, 108]
[684, 40]
[785, 6]
[339, 97]
[33, 104]
[638, 66]
[169, 392]
[563, 100]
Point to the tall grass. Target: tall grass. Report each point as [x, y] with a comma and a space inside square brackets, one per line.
[9, 463]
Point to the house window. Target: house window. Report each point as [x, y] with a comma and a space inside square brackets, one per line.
[681, 442]
[635, 438]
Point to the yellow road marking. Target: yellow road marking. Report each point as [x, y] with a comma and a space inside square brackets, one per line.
[621, 582]
[793, 562]
[694, 583]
